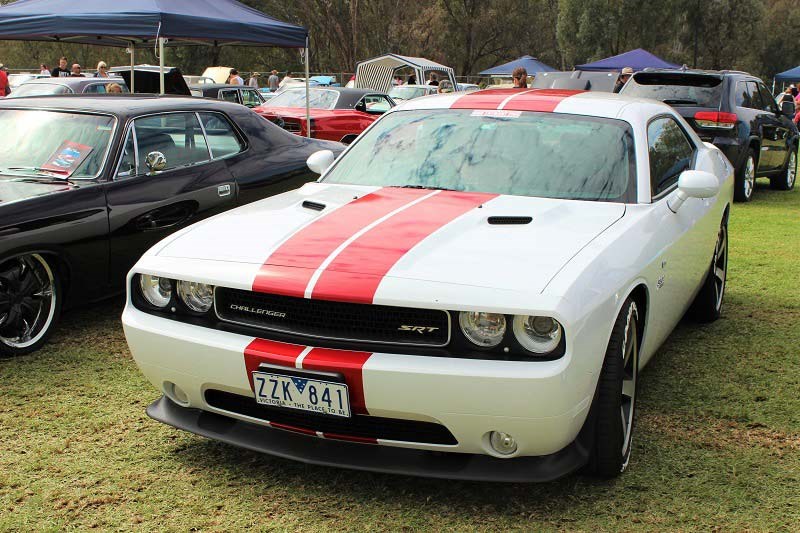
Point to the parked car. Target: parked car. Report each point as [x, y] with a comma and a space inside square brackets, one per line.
[239, 94]
[57, 86]
[467, 87]
[90, 183]
[15, 80]
[737, 113]
[400, 93]
[479, 275]
[337, 114]
[197, 80]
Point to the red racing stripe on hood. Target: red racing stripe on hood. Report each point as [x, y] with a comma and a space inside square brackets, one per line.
[269, 352]
[355, 274]
[289, 268]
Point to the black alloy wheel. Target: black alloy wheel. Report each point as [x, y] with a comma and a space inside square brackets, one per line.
[785, 180]
[707, 305]
[616, 396]
[29, 303]
[745, 180]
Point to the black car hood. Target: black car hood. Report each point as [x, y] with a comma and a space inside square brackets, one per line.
[17, 189]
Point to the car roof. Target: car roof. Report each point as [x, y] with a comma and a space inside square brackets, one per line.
[591, 103]
[123, 105]
[347, 97]
[697, 72]
[201, 86]
[74, 82]
[413, 85]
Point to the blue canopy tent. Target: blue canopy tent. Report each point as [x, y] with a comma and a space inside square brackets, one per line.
[530, 64]
[638, 59]
[144, 23]
[793, 74]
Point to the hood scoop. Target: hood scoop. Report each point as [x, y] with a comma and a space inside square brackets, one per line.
[314, 206]
[509, 221]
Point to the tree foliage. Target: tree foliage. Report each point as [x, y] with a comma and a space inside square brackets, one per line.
[471, 35]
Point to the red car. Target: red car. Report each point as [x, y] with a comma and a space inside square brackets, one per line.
[337, 113]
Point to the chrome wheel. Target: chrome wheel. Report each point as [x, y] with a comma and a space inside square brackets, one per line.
[791, 170]
[749, 177]
[630, 374]
[27, 300]
[720, 266]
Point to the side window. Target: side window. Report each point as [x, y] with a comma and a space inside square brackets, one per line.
[127, 164]
[670, 153]
[176, 135]
[376, 103]
[755, 97]
[768, 101]
[251, 98]
[743, 95]
[222, 138]
[229, 95]
[96, 88]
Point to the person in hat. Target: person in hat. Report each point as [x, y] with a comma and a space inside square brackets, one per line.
[624, 76]
[253, 81]
[5, 88]
[520, 77]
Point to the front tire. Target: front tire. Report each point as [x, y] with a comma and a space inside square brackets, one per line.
[707, 305]
[616, 396]
[30, 303]
[745, 181]
[786, 180]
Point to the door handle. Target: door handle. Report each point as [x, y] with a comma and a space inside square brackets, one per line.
[166, 217]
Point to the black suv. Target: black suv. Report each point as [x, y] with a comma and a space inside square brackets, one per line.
[737, 113]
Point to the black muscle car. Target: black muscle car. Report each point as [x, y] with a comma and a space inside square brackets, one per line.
[87, 184]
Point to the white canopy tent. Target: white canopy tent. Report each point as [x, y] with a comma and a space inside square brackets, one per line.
[377, 73]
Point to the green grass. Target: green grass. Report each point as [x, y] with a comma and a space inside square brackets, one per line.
[717, 445]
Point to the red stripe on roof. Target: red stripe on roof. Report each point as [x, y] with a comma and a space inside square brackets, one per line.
[270, 352]
[545, 100]
[488, 99]
[288, 269]
[355, 274]
[349, 364]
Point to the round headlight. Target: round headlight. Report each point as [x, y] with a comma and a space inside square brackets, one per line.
[157, 291]
[199, 297]
[538, 334]
[483, 329]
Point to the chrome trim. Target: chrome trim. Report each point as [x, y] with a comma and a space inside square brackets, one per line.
[290, 332]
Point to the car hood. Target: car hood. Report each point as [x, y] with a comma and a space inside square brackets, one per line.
[296, 112]
[15, 189]
[435, 236]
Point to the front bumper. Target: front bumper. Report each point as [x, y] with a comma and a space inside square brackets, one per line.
[384, 459]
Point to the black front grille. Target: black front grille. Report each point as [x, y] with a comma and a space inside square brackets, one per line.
[363, 426]
[334, 320]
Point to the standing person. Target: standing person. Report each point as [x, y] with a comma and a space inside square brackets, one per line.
[273, 81]
[234, 78]
[433, 79]
[102, 70]
[44, 71]
[5, 88]
[253, 81]
[520, 77]
[61, 71]
[786, 96]
[624, 76]
[76, 71]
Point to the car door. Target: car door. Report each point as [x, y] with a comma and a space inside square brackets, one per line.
[230, 95]
[251, 98]
[147, 205]
[764, 126]
[777, 127]
[685, 249]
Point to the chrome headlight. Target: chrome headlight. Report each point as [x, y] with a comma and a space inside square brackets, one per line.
[483, 329]
[199, 297]
[538, 334]
[157, 291]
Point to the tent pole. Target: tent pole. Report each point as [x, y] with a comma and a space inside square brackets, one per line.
[133, 63]
[161, 62]
[308, 97]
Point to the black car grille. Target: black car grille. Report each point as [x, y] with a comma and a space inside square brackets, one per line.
[334, 320]
[293, 127]
[359, 426]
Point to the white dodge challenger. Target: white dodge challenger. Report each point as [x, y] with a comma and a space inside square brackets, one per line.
[469, 291]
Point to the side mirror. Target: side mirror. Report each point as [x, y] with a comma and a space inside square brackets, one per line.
[156, 162]
[694, 184]
[320, 161]
[788, 109]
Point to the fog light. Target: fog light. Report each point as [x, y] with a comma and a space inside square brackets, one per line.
[176, 394]
[502, 443]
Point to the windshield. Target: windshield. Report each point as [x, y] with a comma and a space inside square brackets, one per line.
[406, 93]
[40, 89]
[677, 89]
[57, 143]
[319, 99]
[508, 152]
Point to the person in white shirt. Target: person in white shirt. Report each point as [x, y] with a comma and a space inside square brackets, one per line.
[253, 81]
[44, 71]
[234, 78]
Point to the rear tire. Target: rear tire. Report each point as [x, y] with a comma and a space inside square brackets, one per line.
[745, 182]
[30, 303]
[707, 305]
[616, 396]
[786, 180]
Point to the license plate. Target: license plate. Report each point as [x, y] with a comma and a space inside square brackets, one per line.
[305, 394]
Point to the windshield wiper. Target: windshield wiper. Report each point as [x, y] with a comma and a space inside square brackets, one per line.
[423, 187]
[60, 174]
